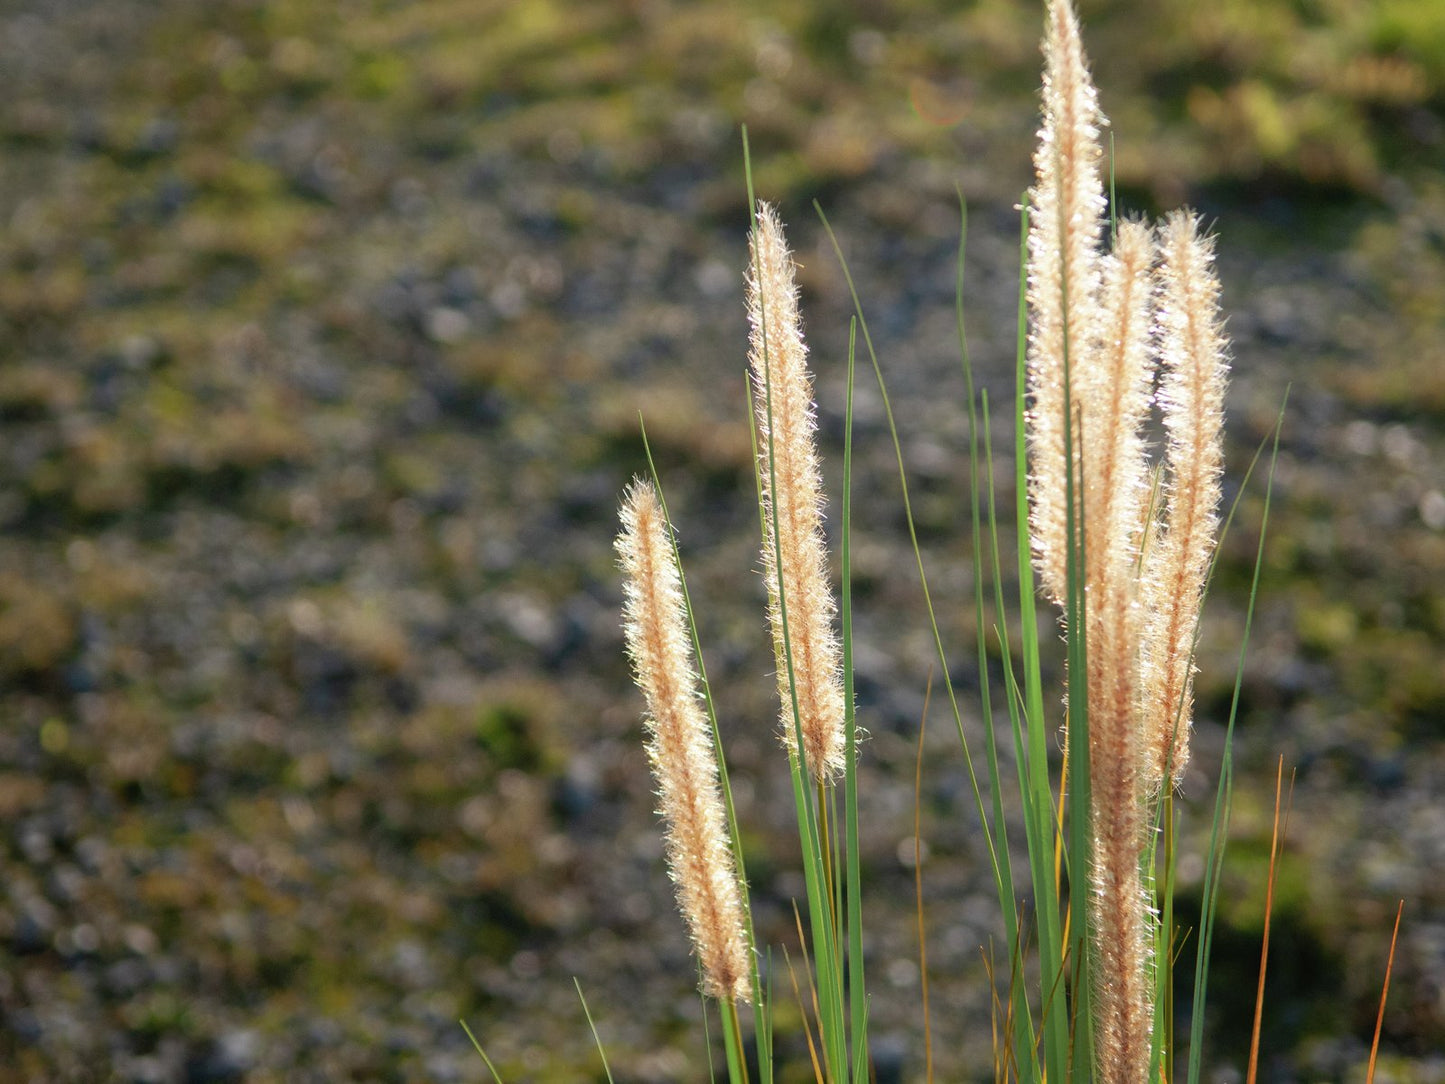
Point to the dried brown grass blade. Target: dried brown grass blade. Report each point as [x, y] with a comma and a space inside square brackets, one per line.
[1275, 844]
[818, 1073]
[999, 1018]
[1384, 993]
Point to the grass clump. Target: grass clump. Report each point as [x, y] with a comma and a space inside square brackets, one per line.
[1116, 318]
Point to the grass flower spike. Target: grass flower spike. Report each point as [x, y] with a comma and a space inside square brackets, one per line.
[1095, 344]
[1066, 224]
[1121, 323]
[794, 555]
[1113, 397]
[1089, 377]
[680, 747]
[1191, 397]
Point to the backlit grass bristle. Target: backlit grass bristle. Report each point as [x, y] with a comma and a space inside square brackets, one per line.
[1194, 355]
[794, 553]
[1113, 395]
[1089, 377]
[1095, 346]
[1119, 318]
[1066, 224]
[680, 747]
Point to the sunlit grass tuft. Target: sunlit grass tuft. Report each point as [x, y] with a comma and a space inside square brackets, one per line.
[1121, 544]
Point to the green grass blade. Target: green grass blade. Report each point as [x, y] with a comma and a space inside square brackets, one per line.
[1078, 856]
[1039, 794]
[1024, 1039]
[821, 929]
[857, 990]
[706, 1027]
[1036, 801]
[732, 1044]
[602, 1052]
[892, 424]
[478, 1047]
[1219, 831]
[762, 1018]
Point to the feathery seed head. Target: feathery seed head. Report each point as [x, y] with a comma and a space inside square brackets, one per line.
[1113, 397]
[1089, 376]
[794, 554]
[1195, 358]
[1066, 223]
[680, 747]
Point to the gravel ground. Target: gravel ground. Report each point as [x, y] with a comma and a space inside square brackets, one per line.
[318, 732]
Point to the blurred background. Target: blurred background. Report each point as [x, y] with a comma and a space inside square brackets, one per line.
[324, 330]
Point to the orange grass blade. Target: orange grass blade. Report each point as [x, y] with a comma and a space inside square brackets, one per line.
[1059, 828]
[995, 1008]
[818, 1073]
[1384, 993]
[812, 995]
[1274, 858]
[1001, 1016]
[1011, 1054]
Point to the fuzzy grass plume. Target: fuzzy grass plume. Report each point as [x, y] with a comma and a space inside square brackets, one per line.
[800, 603]
[1194, 355]
[1103, 324]
[1122, 317]
[1067, 222]
[680, 747]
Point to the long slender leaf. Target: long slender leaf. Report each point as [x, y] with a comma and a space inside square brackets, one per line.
[994, 860]
[478, 1047]
[1039, 794]
[1019, 1013]
[1384, 996]
[857, 990]
[596, 1038]
[1219, 830]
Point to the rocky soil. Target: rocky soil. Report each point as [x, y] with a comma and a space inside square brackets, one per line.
[324, 334]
